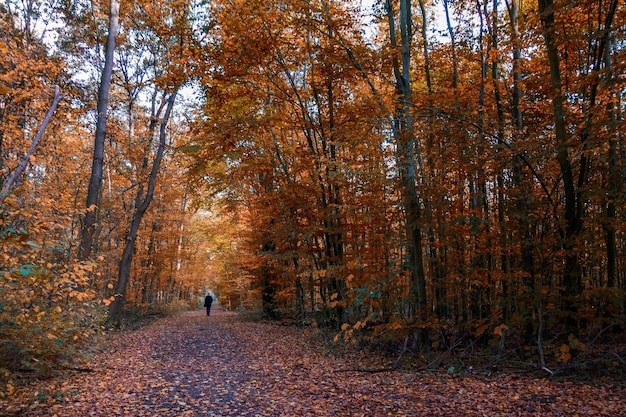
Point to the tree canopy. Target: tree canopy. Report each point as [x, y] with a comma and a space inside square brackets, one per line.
[447, 173]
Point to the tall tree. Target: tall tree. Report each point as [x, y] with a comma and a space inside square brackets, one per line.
[142, 201]
[404, 136]
[573, 189]
[95, 180]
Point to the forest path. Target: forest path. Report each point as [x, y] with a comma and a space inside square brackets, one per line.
[194, 365]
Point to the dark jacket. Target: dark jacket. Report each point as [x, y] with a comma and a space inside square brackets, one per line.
[208, 300]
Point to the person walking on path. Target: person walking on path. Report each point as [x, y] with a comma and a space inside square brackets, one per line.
[208, 300]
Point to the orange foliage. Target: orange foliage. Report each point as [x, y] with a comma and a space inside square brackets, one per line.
[295, 137]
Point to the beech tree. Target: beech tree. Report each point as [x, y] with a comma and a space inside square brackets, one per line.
[95, 180]
[404, 137]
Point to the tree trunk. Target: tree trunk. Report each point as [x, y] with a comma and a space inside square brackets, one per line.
[95, 181]
[572, 276]
[14, 178]
[573, 192]
[149, 276]
[451, 32]
[141, 206]
[404, 133]
[613, 185]
[520, 182]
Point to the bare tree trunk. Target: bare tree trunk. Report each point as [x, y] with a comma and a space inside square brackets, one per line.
[140, 208]
[451, 32]
[19, 170]
[95, 181]
[403, 128]
[149, 275]
[573, 210]
[519, 180]
[617, 136]
[613, 187]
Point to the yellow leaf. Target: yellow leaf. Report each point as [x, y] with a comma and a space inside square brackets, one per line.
[480, 330]
[500, 329]
[564, 353]
[395, 325]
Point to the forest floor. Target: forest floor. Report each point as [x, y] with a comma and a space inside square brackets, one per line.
[194, 365]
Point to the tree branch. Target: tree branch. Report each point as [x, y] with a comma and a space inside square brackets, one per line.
[15, 175]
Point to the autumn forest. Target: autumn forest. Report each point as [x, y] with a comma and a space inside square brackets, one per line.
[424, 175]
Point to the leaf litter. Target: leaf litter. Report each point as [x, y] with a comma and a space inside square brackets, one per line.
[193, 365]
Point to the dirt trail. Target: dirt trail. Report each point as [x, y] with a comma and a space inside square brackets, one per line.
[193, 365]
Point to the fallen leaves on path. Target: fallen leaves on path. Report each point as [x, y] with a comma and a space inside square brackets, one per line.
[193, 365]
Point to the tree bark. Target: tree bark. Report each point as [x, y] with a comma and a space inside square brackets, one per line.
[404, 135]
[572, 216]
[95, 181]
[613, 186]
[19, 170]
[451, 32]
[141, 205]
[519, 180]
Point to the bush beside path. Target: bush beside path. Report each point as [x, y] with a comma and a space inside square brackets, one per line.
[194, 365]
